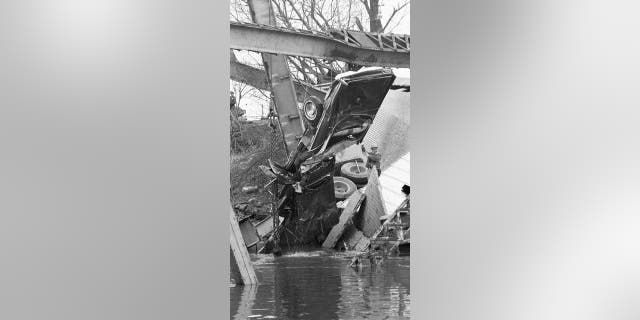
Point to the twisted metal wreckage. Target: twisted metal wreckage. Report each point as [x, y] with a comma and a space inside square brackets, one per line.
[317, 206]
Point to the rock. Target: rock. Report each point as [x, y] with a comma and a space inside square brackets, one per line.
[255, 202]
[249, 189]
[241, 207]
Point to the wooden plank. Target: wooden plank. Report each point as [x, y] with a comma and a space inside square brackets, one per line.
[363, 244]
[264, 227]
[373, 206]
[355, 239]
[234, 270]
[240, 254]
[348, 212]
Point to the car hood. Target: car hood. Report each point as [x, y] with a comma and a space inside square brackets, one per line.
[349, 109]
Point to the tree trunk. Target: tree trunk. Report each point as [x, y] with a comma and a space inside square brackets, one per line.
[375, 25]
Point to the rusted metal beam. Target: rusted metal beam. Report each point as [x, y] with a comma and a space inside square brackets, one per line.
[252, 76]
[268, 39]
[280, 80]
[258, 79]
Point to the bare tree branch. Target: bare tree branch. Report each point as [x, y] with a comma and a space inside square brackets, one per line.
[359, 24]
[282, 14]
[395, 11]
[299, 15]
[326, 22]
[366, 5]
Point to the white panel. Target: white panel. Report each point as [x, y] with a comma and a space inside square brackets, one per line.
[391, 181]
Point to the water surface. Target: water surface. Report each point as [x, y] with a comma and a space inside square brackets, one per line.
[321, 285]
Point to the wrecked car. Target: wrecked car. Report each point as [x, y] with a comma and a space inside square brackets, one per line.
[304, 185]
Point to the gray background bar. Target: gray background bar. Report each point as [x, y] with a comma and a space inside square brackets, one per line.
[526, 159]
[114, 160]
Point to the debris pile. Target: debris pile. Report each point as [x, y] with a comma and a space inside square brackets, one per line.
[359, 224]
[319, 196]
[365, 228]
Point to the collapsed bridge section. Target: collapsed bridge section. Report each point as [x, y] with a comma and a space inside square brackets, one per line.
[357, 47]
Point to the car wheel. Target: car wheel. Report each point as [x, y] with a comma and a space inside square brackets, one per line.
[355, 171]
[343, 187]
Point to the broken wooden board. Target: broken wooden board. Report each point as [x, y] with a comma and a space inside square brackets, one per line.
[373, 207]
[240, 255]
[234, 271]
[355, 239]
[249, 232]
[353, 204]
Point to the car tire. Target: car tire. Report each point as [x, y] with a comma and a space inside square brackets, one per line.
[355, 171]
[343, 187]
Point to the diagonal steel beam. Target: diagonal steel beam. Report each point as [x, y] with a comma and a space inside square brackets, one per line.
[280, 81]
[252, 76]
[257, 78]
[273, 40]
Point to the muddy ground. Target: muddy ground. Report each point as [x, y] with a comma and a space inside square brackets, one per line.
[252, 146]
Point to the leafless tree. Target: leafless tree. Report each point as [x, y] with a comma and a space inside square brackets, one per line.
[243, 91]
[372, 8]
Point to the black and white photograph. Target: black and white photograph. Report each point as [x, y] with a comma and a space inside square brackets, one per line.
[517, 152]
[320, 159]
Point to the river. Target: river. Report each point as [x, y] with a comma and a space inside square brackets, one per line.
[321, 285]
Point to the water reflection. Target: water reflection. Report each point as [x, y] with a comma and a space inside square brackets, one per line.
[245, 307]
[319, 285]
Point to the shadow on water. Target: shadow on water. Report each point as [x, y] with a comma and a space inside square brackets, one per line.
[318, 285]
